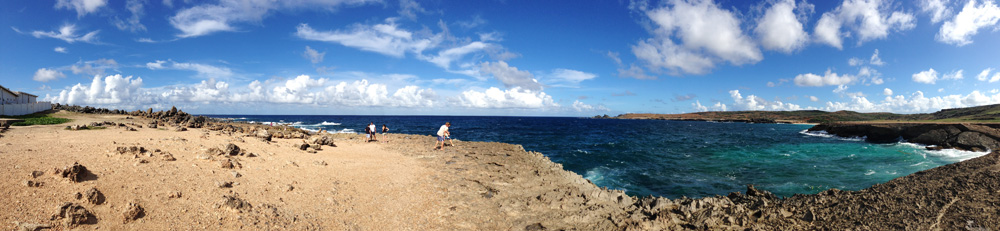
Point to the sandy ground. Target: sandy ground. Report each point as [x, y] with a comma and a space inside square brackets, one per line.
[355, 186]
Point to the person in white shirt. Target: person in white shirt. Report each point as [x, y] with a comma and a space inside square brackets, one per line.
[372, 132]
[442, 134]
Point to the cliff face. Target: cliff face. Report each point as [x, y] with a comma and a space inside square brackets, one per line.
[972, 137]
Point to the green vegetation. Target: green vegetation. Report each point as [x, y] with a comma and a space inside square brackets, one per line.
[37, 119]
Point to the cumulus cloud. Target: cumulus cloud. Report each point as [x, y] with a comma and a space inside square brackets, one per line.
[915, 103]
[868, 19]
[875, 60]
[583, 107]
[112, 89]
[210, 18]
[45, 75]
[60, 50]
[929, 76]
[985, 76]
[813, 98]
[68, 33]
[936, 8]
[779, 29]
[510, 76]
[82, 7]
[754, 103]
[960, 29]
[203, 70]
[628, 71]
[313, 55]
[510, 98]
[719, 106]
[887, 91]
[829, 78]
[954, 75]
[706, 33]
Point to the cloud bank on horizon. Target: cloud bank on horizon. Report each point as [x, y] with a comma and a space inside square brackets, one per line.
[504, 57]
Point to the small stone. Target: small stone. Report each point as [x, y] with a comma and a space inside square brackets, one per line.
[36, 174]
[168, 157]
[31, 183]
[236, 174]
[287, 188]
[73, 214]
[235, 204]
[203, 156]
[320, 163]
[224, 184]
[94, 196]
[174, 194]
[311, 151]
[132, 211]
[226, 163]
[303, 147]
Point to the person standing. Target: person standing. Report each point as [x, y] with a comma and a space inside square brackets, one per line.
[385, 133]
[372, 131]
[442, 133]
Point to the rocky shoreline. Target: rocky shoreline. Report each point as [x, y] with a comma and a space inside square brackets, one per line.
[474, 186]
[962, 136]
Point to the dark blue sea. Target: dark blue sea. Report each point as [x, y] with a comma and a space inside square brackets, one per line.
[672, 158]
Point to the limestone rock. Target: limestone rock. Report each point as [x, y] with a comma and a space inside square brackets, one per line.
[73, 214]
[132, 211]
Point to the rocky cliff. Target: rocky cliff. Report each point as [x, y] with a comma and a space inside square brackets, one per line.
[962, 136]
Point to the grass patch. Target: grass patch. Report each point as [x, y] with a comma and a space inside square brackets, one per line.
[37, 119]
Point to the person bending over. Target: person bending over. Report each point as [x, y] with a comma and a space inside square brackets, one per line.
[442, 133]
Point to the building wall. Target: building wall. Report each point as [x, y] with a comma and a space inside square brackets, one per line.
[24, 108]
[7, 97]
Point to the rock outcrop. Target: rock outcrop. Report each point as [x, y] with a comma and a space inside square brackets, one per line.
[972, 137]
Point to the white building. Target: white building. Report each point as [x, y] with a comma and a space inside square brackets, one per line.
[20, 103]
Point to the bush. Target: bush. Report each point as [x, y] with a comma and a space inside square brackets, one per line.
[37, 119]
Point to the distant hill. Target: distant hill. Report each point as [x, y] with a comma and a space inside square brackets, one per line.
[988, 113]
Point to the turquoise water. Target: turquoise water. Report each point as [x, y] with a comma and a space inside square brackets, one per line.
[675, 158]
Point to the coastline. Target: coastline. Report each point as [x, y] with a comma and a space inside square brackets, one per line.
[404, 184]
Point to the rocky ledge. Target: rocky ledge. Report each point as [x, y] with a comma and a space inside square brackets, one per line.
[962, 136]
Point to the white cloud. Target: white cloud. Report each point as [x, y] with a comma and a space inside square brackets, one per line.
[830, 78]
[719, 106]
[82, 7]
[936, 8]
[583, 107]
[132, 23]
[385, 38]
[875, 60]
[779, 29]
[203, 70]
[928, 76]
[754, 103]
[313, 55]
[510, 98]
[93, 67]
[707, 35]
[813, 98]
[45, 75]
[410, 8]
[206, 91]
[111, 90]
[446, 57]
[915, 103]
[995, 78]
[210, 18]
[855, 62]
[954, 75]
[960, 29]
[510, 76]
[68, 33]
[868, 19]
[887, 91]
[984, 74]
[567, 78]
[60, 50]
[297, 90]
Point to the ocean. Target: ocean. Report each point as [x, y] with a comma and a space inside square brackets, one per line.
[671, 158]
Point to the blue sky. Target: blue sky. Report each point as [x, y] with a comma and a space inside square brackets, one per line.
[570, 58]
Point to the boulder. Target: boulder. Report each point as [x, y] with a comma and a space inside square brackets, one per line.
[303, 147]
[235, 204]
[322, 140]
[74, 172]
[263, 134]
[73, 214]
[231, 149]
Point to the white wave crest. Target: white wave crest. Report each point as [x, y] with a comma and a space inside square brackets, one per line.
[825, 134]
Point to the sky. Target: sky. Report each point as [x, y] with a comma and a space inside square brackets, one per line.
[505, 58]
